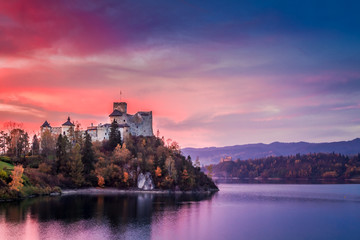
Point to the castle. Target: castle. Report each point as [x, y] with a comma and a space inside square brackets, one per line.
[139, 124]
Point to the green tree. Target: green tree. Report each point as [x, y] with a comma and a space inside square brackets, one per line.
[35, 147]
[197, 163]
[114, 136]
[88, 157]
[62, 156]
[71, 135]
[76, 166]
[78, 136]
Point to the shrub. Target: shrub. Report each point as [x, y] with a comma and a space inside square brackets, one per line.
[6, 159]
[3, 175]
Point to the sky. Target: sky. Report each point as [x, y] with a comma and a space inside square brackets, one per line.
[214, 73]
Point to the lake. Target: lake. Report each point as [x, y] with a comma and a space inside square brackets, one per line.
[238, 211]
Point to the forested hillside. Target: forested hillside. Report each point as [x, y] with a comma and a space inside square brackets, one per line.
[73, 161]
[307, 166]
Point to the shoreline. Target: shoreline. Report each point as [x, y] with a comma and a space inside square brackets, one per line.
[109, 191]
[115, 191]
[289, 180]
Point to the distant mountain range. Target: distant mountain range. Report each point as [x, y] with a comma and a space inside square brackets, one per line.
[251, 151]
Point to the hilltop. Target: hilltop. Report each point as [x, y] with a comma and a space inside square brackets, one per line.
[74, 161]
[213, 155]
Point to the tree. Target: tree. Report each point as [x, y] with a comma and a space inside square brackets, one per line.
[62, 156]
[114, 135]
[17, 181]
[71, 135]
[47, 143]
[88, 157]
[170, 167]
[35, 147]
[121, 155]
[76, 166]
[158, 172]
[17, 143]
[78, 136]
[101, 181]
[197, 163]
[3, 137]
[12, 125]
[126, 177]
[209, 170]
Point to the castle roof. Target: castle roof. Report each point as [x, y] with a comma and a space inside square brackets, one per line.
[116, 113]
[68, 123]
[46, 124]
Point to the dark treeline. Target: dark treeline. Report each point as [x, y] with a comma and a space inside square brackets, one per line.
[73, 161]
[308, 166]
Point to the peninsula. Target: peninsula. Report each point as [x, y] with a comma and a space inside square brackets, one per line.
[123, 154]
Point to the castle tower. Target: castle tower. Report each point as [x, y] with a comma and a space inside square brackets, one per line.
[65, 127]
[45, 126]
[120, 106]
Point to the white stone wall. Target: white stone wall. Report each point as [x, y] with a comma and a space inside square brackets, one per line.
[140, 124]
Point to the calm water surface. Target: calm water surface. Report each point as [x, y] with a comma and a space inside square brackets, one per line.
[238, 211]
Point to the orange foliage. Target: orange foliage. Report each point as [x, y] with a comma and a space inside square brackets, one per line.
[158, 172]
[185, 174]
[16, 183]
[101, 181]
[126, 177]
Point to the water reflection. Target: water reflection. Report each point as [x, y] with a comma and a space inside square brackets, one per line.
[238, 211]
[92, 216]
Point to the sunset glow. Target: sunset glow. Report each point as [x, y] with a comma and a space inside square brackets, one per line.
[213, 73]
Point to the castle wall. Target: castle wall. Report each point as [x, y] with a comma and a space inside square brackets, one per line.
[139, 124]
[65, 130]
[56, 130]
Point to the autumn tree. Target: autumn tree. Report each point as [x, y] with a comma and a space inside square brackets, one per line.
[121, 155]
[47, 143]
[18, 142]
[170, 167]
[17, 181]
[209, 170]
[3, 137]
[101, 181]
[158, 172]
